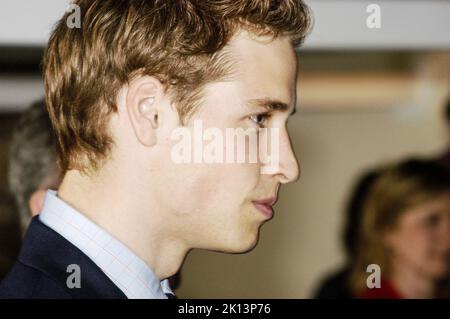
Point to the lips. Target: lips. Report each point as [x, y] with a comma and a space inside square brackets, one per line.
[265, 206]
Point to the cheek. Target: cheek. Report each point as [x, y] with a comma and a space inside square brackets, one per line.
[220, 186]
[207, 188]
[193, 188]
[413, 244]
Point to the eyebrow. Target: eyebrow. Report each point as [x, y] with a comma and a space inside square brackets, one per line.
[270, 105]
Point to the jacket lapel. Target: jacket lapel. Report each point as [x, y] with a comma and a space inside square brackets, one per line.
[49, 252]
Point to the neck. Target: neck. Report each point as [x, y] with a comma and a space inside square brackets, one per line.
[411, 283]
[115, 203]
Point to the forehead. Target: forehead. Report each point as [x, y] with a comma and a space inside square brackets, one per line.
[265, 67]
[262, 68]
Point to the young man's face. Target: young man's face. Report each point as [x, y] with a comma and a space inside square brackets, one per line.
[217, 206]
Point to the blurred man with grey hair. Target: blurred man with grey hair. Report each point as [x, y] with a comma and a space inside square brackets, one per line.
[32, 162]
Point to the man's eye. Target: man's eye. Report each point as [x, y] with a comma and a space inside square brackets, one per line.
[259, 119]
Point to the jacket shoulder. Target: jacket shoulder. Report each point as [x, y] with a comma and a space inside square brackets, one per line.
[25, 282]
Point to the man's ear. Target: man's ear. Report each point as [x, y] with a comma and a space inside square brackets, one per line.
[36, 202]
[143, 99]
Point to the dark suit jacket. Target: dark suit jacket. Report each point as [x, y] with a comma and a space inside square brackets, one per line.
[41, 270]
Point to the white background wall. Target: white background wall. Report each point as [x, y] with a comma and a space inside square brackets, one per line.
[406, 24]
[338, 23]
[28, 22]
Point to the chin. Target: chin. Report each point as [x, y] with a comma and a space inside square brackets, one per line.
[243, 243]
[438, 271]
[237, 239]
[247, 247]
[234, 244]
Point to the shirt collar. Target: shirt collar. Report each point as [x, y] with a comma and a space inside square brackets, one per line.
[126, 270]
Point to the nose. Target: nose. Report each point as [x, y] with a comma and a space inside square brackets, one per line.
[289, 170]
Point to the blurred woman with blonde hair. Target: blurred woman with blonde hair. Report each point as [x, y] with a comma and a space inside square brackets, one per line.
[405, 230]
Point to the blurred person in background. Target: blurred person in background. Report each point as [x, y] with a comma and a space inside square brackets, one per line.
[405, 229]
[32, 162]
[32, 170]
[335, 286]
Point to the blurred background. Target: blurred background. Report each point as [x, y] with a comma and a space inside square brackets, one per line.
[365, 96]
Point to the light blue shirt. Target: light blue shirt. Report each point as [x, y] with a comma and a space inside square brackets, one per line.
[126, 270]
